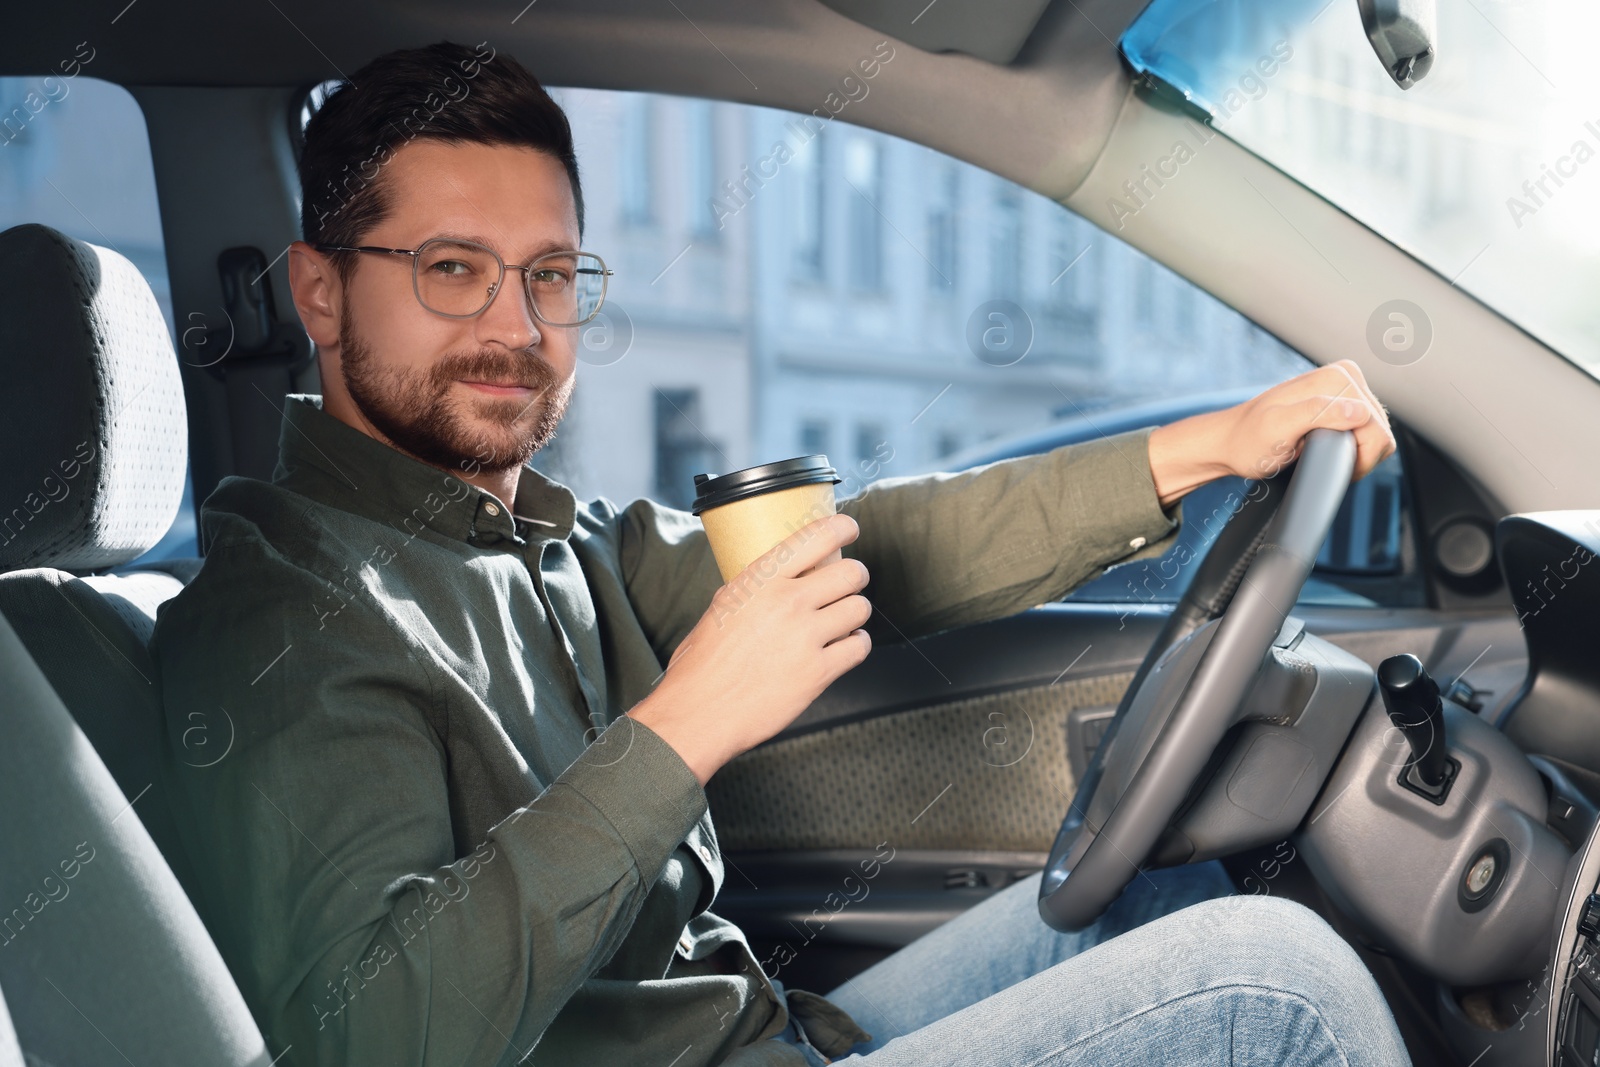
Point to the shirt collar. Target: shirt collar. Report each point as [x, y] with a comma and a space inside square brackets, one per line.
[336, 464]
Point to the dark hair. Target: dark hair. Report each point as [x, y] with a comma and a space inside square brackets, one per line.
[444, 92]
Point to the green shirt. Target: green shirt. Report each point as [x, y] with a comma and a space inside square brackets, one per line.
[424, 829]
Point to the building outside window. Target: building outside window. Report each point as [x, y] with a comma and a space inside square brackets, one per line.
[1144, 294]
[1007, 251]
[638, 161]
[869, 435]
[944, 199]
[1073, 274]
[814, 437]
[863, 171]
[700, 119]
[1183, 312]
[809, 215]
[681, 449]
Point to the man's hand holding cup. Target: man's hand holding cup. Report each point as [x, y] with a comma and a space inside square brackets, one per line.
[765, 649]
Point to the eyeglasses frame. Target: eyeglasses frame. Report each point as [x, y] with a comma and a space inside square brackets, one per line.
[494, 290]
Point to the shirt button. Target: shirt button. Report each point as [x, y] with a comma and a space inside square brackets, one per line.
[1136, 544]
[685, 944]
[491, 508]
[705, 854]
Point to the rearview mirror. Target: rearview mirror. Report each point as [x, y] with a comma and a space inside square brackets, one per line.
[1403, 33]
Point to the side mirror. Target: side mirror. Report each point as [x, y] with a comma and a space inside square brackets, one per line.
[1403, 34]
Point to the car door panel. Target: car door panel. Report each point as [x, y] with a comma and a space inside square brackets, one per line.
[943, 767]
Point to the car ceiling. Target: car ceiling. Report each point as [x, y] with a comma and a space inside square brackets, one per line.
[1039, 120]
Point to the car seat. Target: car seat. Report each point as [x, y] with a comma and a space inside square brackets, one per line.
[102, 957]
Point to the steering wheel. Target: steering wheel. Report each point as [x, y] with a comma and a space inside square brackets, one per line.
[1191, 685]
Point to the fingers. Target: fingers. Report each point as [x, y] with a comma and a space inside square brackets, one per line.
[831, 581]
[1351, 372]
[1338, 397]
[1375, 438]
[847, 652]
[841, 617]
[811, 544]
[1331, 413]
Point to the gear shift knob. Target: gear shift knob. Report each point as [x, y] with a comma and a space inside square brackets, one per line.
[1412, 701]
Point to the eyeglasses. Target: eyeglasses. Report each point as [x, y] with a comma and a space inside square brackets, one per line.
[458, 279]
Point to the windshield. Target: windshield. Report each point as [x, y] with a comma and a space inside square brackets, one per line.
[1488, 170]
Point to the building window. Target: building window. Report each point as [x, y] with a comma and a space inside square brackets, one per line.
[942, 229]
[638, 159]
[809, 185]
[869, 435]
[1144, 293]
[1072, 263]
[700, 120]
[1008, 243]
[814, 437]
[863, 169]
[1085, 277]
[682, 450]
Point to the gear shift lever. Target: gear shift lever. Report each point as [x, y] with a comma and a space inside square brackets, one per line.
[1412, 701]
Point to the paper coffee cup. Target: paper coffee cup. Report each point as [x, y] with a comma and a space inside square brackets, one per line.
[748, 512]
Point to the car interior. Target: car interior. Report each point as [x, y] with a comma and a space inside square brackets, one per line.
[1185, 717]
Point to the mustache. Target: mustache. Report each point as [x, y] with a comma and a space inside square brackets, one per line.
[487, 365]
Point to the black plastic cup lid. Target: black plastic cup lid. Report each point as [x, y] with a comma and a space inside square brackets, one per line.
[784, 474]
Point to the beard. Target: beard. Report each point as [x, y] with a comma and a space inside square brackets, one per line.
[416, 413]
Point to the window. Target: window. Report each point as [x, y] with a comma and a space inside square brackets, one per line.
[773, 364]
[1007, 261]
[1340, 127]
[814, 437]
[74, 156]
[869, 435]
[638, 161]
[944, 199]
[1076, 266]
[1067, 250]
[809, 189]
[701, 177]
[682, 448]
[1503, 133]
[863, 172]
[1183, 312]
[57, 162]
[1144, 294]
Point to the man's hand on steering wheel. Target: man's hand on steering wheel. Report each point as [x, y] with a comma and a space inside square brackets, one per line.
[1259, 437]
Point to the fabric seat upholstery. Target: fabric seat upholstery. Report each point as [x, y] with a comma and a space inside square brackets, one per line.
[94, 435]
[99, 928]
[93, 429]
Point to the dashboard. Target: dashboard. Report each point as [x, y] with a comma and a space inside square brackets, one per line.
[1548, 560]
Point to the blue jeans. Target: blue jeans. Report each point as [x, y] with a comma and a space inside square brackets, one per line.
[1178, 972]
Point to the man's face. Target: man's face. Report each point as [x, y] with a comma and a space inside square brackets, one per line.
[473, 394]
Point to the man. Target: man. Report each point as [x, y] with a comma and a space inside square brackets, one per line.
[463, 818]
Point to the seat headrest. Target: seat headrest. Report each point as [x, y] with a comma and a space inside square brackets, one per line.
[93, 435]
